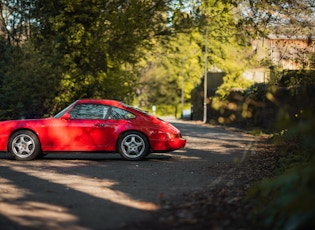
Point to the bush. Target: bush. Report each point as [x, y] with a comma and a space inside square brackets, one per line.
[287, 201]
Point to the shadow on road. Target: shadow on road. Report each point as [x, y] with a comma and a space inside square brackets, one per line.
[103, 191]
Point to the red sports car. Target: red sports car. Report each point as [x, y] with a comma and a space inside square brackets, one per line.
[91, 126]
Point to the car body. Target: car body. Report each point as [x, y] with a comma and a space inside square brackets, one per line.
[91, 125]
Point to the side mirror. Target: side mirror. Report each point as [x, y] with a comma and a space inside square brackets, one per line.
[66, 116]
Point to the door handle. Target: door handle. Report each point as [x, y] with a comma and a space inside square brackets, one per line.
[99, 125]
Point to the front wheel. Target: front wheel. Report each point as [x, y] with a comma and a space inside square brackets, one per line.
[133, 146]
[24, 145]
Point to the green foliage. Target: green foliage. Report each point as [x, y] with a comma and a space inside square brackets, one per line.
[167, 69]
[182, 54]
[103, 49]
[76, 49]
[94, 43]
[287, 200]
[233, 61]
[229, 103]
[166, 110]
[54, 52]
[297, 78]
[27, 89]
[232, 81]
[285, 99]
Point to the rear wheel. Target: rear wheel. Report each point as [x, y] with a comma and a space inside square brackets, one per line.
[133, 146]
[41, 155]
[24, 145]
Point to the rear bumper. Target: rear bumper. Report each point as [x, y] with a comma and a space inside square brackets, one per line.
[168, 145]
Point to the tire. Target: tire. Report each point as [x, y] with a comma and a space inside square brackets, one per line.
[41, 155]
[133, 146]
[24, 145]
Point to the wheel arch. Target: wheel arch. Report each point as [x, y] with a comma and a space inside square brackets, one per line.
[23, 129]
[131, 131]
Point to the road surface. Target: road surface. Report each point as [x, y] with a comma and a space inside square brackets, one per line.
[103, 191]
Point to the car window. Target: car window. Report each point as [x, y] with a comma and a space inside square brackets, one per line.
[61, 113]
[89, 111]
[118, 114]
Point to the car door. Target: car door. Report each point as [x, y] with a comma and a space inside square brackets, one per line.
[84, 131]
[87, 130]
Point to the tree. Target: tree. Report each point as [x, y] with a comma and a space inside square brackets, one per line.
[182, 53]
[96, 44]
[96, 49]
[172, 67]
[91, 48]
[28, 88]
[258, 17]
[15, 20]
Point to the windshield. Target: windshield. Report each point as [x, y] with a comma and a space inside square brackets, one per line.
[62, 112]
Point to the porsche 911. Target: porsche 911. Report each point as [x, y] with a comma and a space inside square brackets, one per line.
[91, 125]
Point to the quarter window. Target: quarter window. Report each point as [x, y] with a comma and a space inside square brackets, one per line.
[118, 114]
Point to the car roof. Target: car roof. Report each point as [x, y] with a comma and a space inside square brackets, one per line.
[100, 101]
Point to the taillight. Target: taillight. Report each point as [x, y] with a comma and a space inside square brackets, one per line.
[175, 135]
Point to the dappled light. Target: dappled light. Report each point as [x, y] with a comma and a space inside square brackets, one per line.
[101, 188]
[22, 207]
[12, 191]
[19, 210]
[246, 68]
[218, 142]
[24, 214]
[75, 190]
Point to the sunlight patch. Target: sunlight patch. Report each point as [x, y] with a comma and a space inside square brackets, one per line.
[100, 188]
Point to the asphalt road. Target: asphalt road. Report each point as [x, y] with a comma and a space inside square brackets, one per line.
[103, 191]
